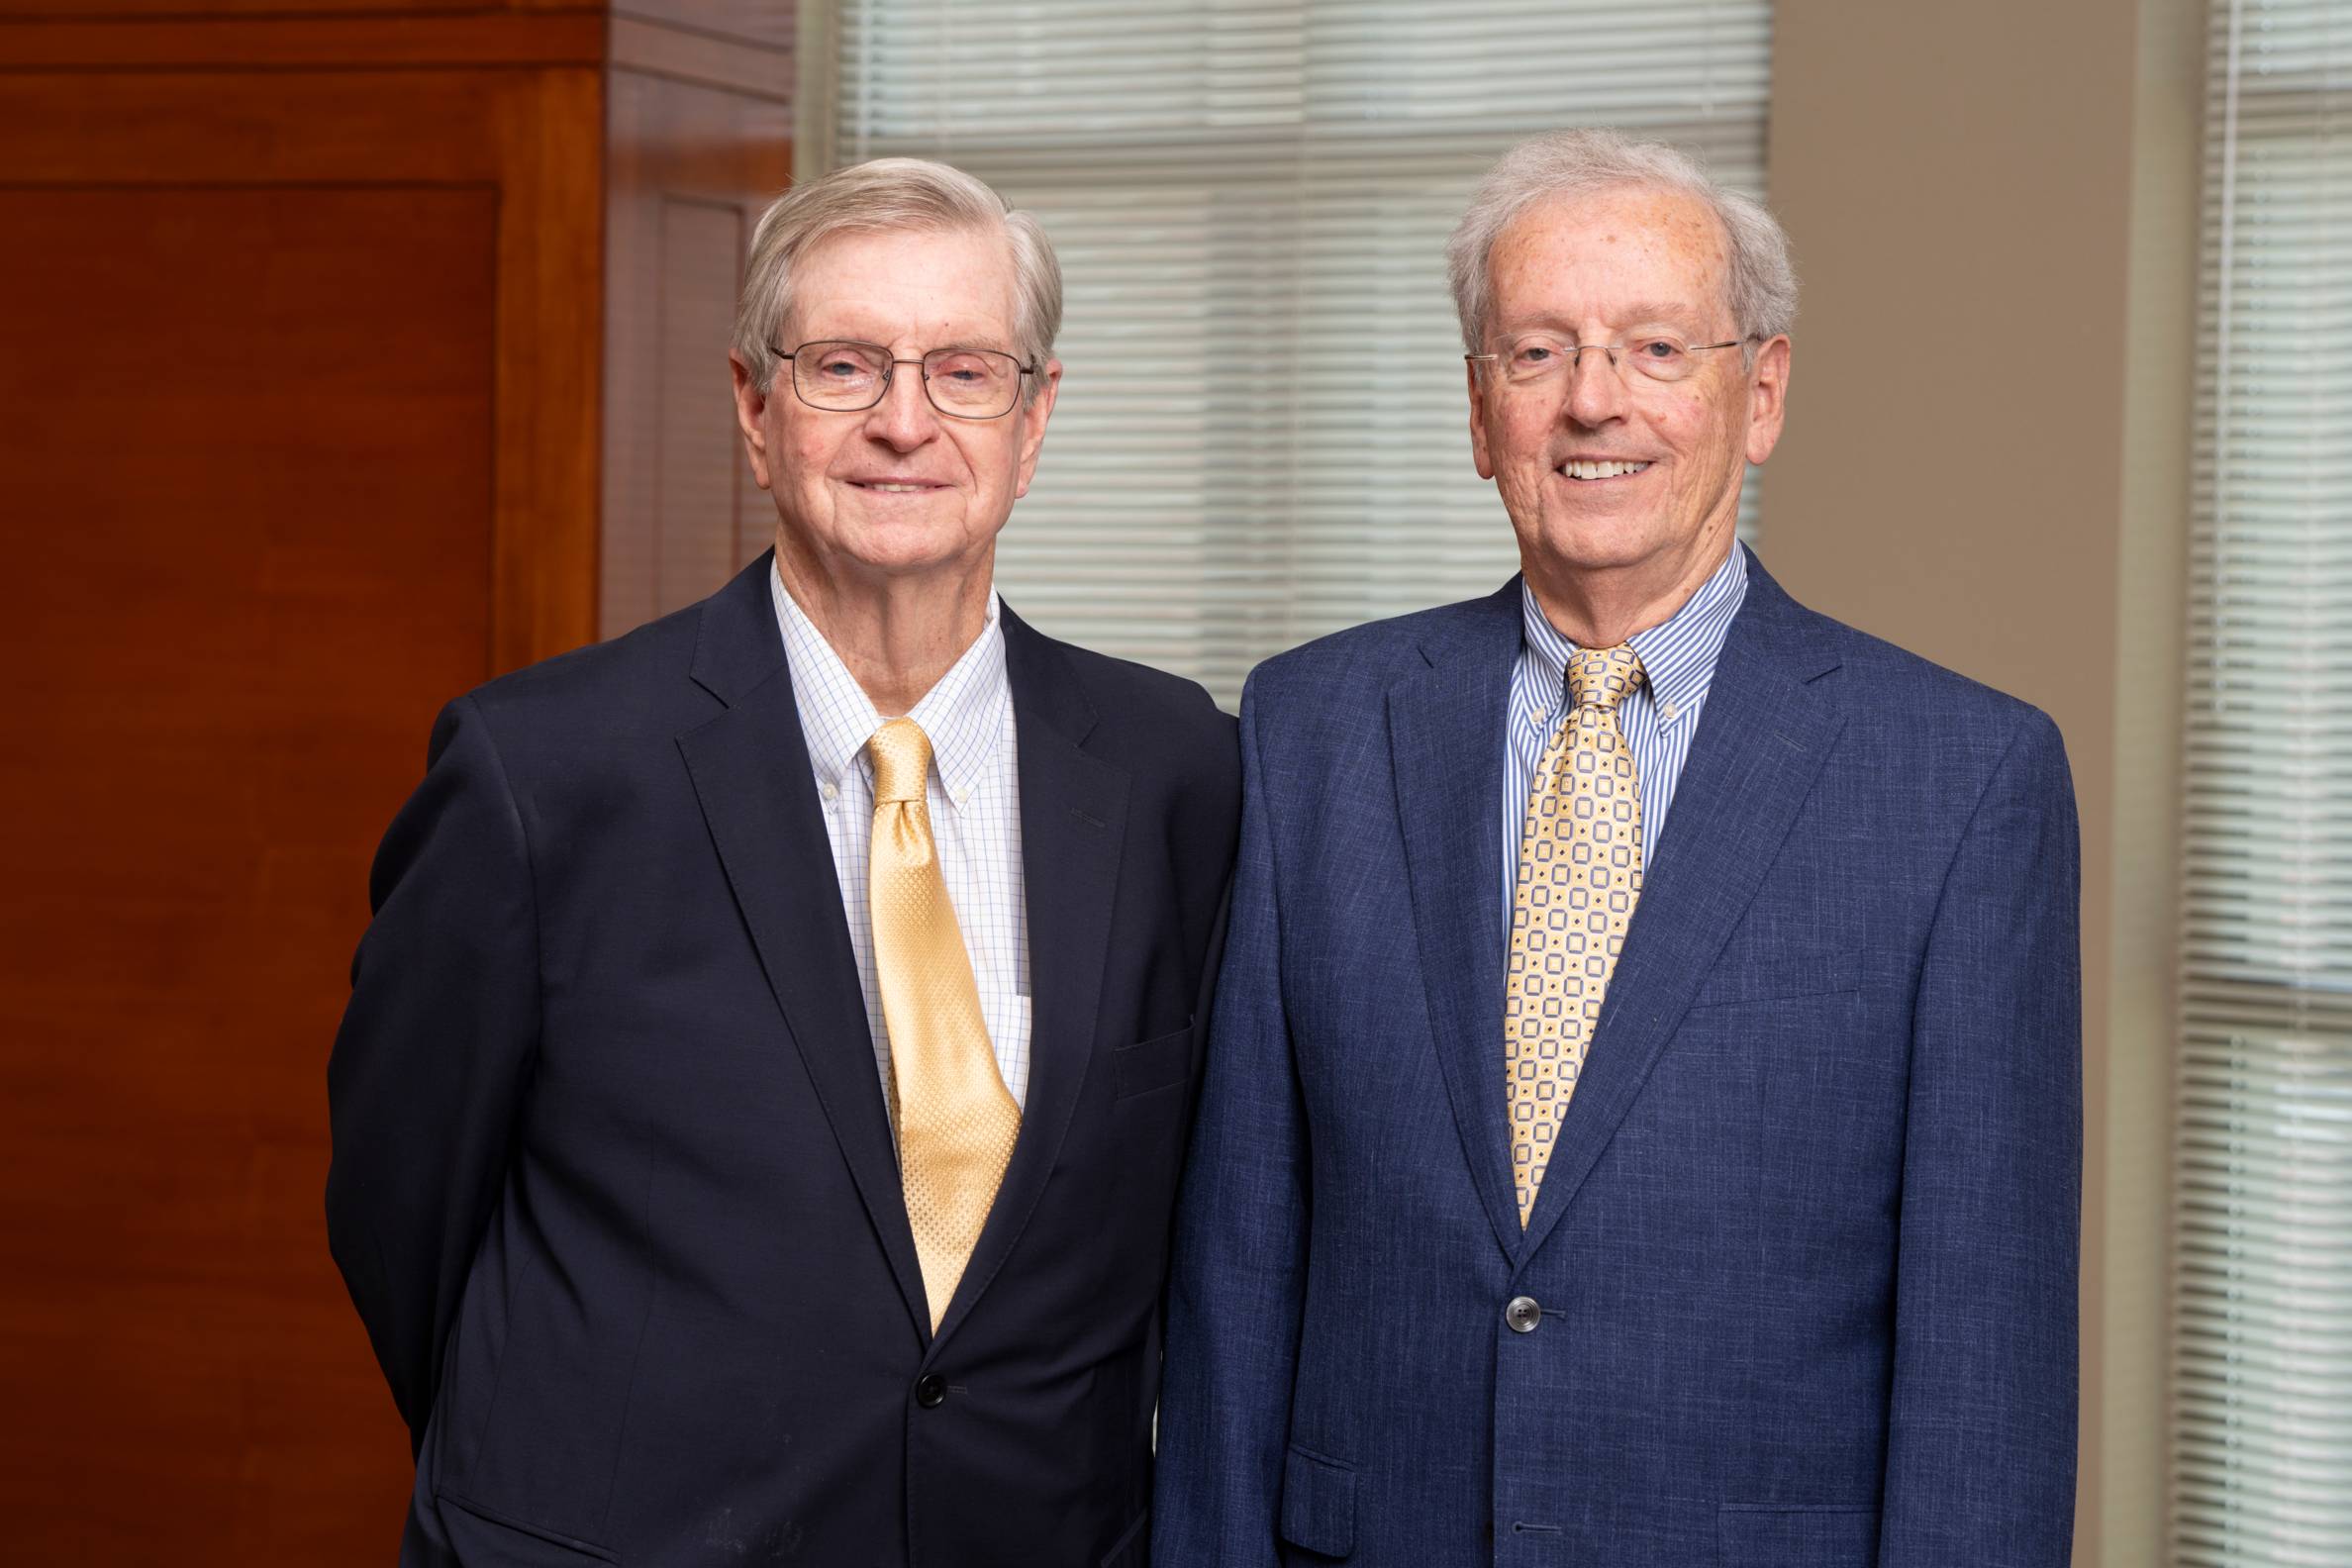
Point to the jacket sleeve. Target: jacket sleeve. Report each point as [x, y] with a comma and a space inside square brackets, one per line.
[1236, 1287]
[1981, 1433]
[430, 1064]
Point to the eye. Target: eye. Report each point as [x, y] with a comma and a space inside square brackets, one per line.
[1658, 350]
[841, 363]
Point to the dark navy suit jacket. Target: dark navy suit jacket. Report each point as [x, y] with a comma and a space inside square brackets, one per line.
[614, 1186]
[1805, 1254]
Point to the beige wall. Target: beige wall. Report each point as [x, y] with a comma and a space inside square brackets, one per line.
[1994, 212]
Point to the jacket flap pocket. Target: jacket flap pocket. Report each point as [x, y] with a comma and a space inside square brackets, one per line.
[1152, 1064]
[481, 1535]
[1799, 1535]
[1319, 1503]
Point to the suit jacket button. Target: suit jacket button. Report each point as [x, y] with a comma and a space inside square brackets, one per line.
[930, 1391]
[1523, 1315]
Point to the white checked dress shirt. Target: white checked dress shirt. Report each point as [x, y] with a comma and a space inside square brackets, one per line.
[1658, 717]
[974, 795]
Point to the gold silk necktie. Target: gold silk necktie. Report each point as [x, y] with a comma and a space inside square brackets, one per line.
[956, 1121]
[1579, 876]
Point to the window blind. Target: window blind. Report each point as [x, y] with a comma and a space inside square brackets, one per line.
[1263, 432]
[2261, 1445]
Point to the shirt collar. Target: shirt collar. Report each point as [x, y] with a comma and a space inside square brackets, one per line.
[1678, 655]
[962, 714]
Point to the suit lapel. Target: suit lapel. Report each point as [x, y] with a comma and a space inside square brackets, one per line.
[1762, 739]
[1073, 820]
[1446, 729]
[750, 771]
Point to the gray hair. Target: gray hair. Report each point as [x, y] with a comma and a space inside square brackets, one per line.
[885, 195]
[1760, 284]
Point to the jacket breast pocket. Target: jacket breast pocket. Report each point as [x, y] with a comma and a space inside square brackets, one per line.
[1797, 1536]
[1153, 1064]
[1780, 977]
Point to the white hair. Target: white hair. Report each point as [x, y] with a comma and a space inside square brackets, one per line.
[894, 194]
[1759, 283]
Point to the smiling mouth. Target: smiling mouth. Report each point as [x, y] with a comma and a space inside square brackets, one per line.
[894, 487]
[1578, 468]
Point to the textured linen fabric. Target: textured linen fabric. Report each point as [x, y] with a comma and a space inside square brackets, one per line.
[974, 794]
[1580, 874]
[1804, 1256]
[956, 1123]
[1678, 660]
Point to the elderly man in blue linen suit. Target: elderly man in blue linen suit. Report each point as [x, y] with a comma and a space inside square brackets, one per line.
[1641, 1121]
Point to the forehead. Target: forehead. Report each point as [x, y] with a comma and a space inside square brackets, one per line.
[907, 288]
[1610, 254]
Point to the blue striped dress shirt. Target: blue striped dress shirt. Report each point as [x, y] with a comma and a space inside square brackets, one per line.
[1659, 717]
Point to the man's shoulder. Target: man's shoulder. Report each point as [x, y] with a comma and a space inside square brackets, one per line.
[623, 674]
[1368, 659]
[1148, 717]
[1907, 701]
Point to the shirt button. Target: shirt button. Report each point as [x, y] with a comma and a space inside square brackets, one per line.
[1523, 1315]
[930, 1391]
[963, 796]
[830, 791]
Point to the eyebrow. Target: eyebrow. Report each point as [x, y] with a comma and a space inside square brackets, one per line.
[1642, 314]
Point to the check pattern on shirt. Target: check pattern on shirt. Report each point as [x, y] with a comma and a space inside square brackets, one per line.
[1659, 718]
[974, 793]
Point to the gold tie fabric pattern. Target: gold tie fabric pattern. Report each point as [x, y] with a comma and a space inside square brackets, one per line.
[956, 1121]
[1579, 876]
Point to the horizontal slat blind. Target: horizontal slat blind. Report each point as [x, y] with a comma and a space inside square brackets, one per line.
[2262, 1341]
[1263, 433]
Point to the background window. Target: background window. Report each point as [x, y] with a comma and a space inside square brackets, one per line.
[2262, 1342]
[1264, 433]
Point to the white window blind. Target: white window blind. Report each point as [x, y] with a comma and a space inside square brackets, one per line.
[2261, 1445]
[1263, 432]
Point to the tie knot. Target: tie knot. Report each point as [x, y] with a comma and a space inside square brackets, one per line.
[902, 755]
[1601, 677]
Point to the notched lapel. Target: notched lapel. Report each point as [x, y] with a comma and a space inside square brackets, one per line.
[750, 771]
[1763, 737]
[1073, 829]
[1446, 735]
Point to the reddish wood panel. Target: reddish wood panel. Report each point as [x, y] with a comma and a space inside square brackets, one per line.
[251, 466]
[690, 168]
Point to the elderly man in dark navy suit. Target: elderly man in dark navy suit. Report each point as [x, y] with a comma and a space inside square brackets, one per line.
[757, 1116]
[1642, 1118]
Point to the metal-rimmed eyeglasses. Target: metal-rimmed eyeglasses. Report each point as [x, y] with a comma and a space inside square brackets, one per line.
[845, 377]
[1537, 358]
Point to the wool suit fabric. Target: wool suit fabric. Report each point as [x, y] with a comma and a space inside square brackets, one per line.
[614, 1187]
[1806, 1248]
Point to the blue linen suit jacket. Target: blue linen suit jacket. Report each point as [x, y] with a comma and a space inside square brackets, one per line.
[1805, 1251]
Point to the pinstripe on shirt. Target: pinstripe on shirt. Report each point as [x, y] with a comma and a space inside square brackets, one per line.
[973, 791]
[1659, 717]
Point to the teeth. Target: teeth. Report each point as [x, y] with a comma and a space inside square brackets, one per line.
[897, 489]
[1600, 470]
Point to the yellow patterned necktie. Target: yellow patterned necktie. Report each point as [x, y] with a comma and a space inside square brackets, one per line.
[1579, 874]
[956, 1121]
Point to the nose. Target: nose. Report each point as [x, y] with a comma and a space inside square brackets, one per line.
[1596, 392]
[905, 418]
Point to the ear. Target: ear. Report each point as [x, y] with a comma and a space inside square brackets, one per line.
[1768, 398]
[1478, 411]
[751, 401]
[1033, 416]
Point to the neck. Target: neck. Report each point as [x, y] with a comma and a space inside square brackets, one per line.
[895, 635]
[1605, 605]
